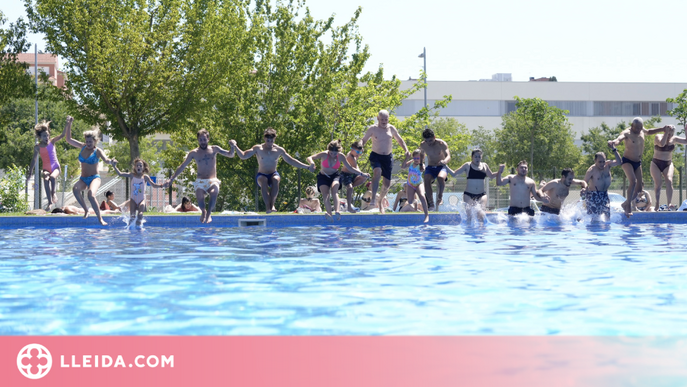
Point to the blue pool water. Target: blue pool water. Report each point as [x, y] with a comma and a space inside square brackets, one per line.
[501, 279]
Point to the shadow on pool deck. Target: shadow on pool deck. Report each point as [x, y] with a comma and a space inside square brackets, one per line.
[287, 220]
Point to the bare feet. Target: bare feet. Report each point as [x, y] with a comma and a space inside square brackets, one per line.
[102, 221]
[352, 210]
[209, 218]
[202, 216]
[338, 216]
[268, 210]
[426, 219]
[382, 210]
[85, 215]
[274, 209]
[328, 216]
[373, 204]
[628, 209]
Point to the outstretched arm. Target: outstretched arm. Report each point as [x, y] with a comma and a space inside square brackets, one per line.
[580, 182]
[154, 184]
[614, 143]
[397, 136]
[103, 156]
[224, 152]
[499, 181]
[655, 130]
[463, 169]
[343, 159]
[183, 165]
[291, 161]
[118, 172]
[243, 155]
[407, 162]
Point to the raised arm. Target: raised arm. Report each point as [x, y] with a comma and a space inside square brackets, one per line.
[499, 181]
[655, 130]
[407, 162]
[67, 126]
[490, 174]
[223, 152]
[118, 172]
[70, 140]
[183, 165]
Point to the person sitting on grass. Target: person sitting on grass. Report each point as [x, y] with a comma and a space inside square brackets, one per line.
[186, 206]
[310, 202]
[109, 203]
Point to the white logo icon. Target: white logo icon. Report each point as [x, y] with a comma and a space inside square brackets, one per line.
[34, 361]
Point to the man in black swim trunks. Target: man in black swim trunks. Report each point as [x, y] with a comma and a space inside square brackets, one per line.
[521, 188]
[381, 158]
[438, 157]
[559, 189]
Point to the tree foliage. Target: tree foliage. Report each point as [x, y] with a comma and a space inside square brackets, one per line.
[15, 82]
[538, 133]
[145, 66]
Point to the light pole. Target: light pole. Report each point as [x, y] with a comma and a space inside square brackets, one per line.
[424, 57]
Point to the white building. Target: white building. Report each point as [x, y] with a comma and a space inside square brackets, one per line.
[590, 103]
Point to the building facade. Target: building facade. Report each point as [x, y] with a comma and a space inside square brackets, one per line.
[47, 63]
[590, 103]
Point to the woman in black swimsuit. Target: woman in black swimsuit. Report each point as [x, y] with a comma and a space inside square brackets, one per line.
[475, 193]
[662, 163]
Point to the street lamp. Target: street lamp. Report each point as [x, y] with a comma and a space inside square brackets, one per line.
[424, 57]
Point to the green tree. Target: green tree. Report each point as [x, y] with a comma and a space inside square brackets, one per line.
[145, 66]
[307, 83]
[538, 133]
[455, 133]
[680, 113]
[12, 197]
[149, 152]
[15, 82]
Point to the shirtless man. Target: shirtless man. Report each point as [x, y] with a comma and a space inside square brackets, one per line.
[381, 158]
[349, 179]
[598, 178]
[521, 188]
[559, 189]
[632, 157]
[205, 157]
[438, 157]
[268, 155]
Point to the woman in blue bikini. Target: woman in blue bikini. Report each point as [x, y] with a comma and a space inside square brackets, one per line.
[89, 157]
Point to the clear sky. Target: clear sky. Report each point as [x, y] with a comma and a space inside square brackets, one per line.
[578, 41]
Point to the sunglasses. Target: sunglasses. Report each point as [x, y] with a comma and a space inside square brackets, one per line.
[416, 158]
[358, 151]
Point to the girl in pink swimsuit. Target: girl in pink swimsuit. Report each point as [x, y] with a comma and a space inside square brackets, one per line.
[416, 170]
[139, 178]
[46, 149]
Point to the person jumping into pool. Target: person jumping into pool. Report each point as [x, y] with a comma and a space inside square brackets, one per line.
[349, 179]
[475, 194]
[559, 189]
[438, 157]
[416, 168]
[268, 154]
[328, 178]
[139, 177]
[521, 188]
[662, 164]
[632, 157]
[598, 179]
[206, 182]
[46, 149]
[381, 158]
[89, 156]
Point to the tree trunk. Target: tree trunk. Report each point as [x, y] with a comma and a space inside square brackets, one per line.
[134, 151]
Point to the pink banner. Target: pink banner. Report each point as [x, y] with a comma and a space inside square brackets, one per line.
[341, 361]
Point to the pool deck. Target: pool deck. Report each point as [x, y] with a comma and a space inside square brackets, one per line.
[287, 220]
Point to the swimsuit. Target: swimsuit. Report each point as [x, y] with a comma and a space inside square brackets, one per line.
[269, 177]
[519, 210]
[435, 170]
[92, 159]
[104, 206]
[550, 210]
[598, 203]
[382, 161]
[205, 184]
[49, 158]
[635, 164]
[138, 190]
[414, 176]
[327, 180]
[662, 164]
[475, 197]
[347, 178]
[665, 148]
[325, 163]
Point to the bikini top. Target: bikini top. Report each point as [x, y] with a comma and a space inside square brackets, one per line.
[325, 163]
[476, 174]
[665, 148]
[92, 159]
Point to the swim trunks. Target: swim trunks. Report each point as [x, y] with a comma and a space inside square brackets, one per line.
[662, 164]
[435, 170]
[269, 177]
[519, 210]
[205, 184]
[598, 203]
[550, 210]
[327, 180]
[475, 197]
[382, 161]
[89, 179]
[635, 164]
[347, 178]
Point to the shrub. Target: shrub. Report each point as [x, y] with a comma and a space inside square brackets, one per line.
[12, 185]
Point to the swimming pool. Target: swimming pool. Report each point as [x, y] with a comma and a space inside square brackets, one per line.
[517, 278]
